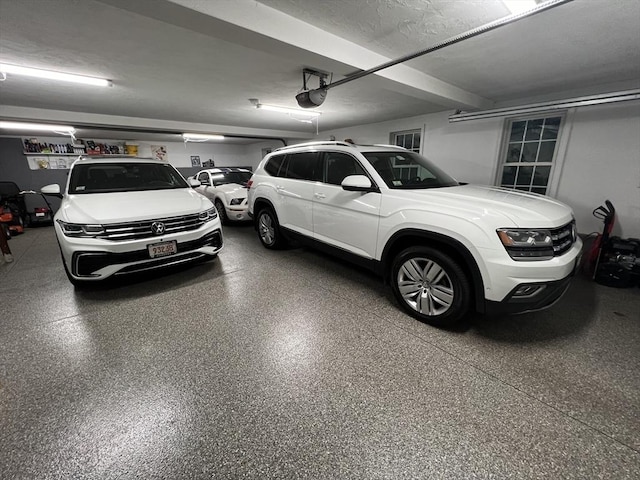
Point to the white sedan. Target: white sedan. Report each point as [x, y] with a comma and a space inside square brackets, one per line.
[226, 187]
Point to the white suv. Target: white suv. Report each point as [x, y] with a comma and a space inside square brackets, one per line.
[124, 215]
[444, 246]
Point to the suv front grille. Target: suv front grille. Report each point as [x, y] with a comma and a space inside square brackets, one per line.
[139, 230]
[563, 238]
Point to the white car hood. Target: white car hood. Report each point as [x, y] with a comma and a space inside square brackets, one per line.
[233, 190]
[521, 209]
[103, 208]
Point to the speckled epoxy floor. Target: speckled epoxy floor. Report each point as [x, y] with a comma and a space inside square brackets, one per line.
[290, 364]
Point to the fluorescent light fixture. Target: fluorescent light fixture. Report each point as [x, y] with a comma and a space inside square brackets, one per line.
[589, 100]
[201, 137]
[291, 111]
[37, 126]
[51, 75]
[519, 6]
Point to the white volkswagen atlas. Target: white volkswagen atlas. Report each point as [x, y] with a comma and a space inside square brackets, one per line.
[124, 215]
[444, 247]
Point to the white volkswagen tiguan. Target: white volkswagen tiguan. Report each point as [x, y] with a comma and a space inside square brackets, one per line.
[443, 246]
[124, 215]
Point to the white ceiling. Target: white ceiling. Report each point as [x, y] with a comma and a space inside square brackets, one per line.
[193, 64]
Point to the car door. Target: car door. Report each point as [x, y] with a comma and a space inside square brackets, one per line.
[344, 219]
[294, 189]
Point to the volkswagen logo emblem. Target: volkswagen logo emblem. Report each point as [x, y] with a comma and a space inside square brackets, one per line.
[157, 228]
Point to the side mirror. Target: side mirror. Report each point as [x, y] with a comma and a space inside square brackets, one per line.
[53, 190]
[358, 183]
[194, 183]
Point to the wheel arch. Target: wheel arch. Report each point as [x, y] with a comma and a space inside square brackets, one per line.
[450, 246]
[259, 204]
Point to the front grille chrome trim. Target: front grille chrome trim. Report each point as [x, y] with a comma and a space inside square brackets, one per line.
[563, 238]
[142, 229]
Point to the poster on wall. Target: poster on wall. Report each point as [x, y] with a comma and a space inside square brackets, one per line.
[49, 163]
[159, 152]
[195, 161]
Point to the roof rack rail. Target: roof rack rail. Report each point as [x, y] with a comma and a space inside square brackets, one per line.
[321, 142]
[387, 145]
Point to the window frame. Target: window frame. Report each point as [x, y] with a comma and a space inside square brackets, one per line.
[324, 167]
[566, 122]
[394, 135]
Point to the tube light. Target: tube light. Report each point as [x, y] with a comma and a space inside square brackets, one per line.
[201, 137]
[586, 101]
[37, 126]
[51, 75]
[292, 111]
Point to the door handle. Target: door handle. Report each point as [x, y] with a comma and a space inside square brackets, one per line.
[279, 188]
[320, 195]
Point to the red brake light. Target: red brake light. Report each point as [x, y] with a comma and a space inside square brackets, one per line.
[249, 183]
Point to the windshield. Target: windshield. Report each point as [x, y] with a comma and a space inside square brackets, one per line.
[124, 177]
[241, 178]
[408, 170]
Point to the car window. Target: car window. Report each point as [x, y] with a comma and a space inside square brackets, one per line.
[339, 165]
[124, 177]
[272, 167]
[204, 178]
[233, 176]
[302, 165]
[408, 170]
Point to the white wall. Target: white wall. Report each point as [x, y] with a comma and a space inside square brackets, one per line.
[254, 151]
[179, 154]
[603, 162]
[601, 157]
[465, 150]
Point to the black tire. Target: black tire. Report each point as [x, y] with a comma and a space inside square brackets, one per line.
[430, 286]
[222, 213]
[269, 229]
[20, 223]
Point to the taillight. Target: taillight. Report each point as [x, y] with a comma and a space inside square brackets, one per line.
[249, 183]
[41, 210]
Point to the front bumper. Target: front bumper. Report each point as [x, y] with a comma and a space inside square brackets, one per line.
[238, 214]
[549, 293]
[532, 296]
[94, 259]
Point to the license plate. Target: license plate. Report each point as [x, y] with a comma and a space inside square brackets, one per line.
[162, 249]
[39, 214]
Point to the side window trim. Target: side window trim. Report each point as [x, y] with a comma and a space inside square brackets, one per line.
[323, 168]
[312, 177]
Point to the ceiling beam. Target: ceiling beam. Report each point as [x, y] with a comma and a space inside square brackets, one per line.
[263, 28]
[87, 120]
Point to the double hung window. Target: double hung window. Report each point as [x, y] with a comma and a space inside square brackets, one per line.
[530, 154]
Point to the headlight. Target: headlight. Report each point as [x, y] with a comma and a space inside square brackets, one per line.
[80, 230]
[236, 201]
[208, 215]
[527, 244]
